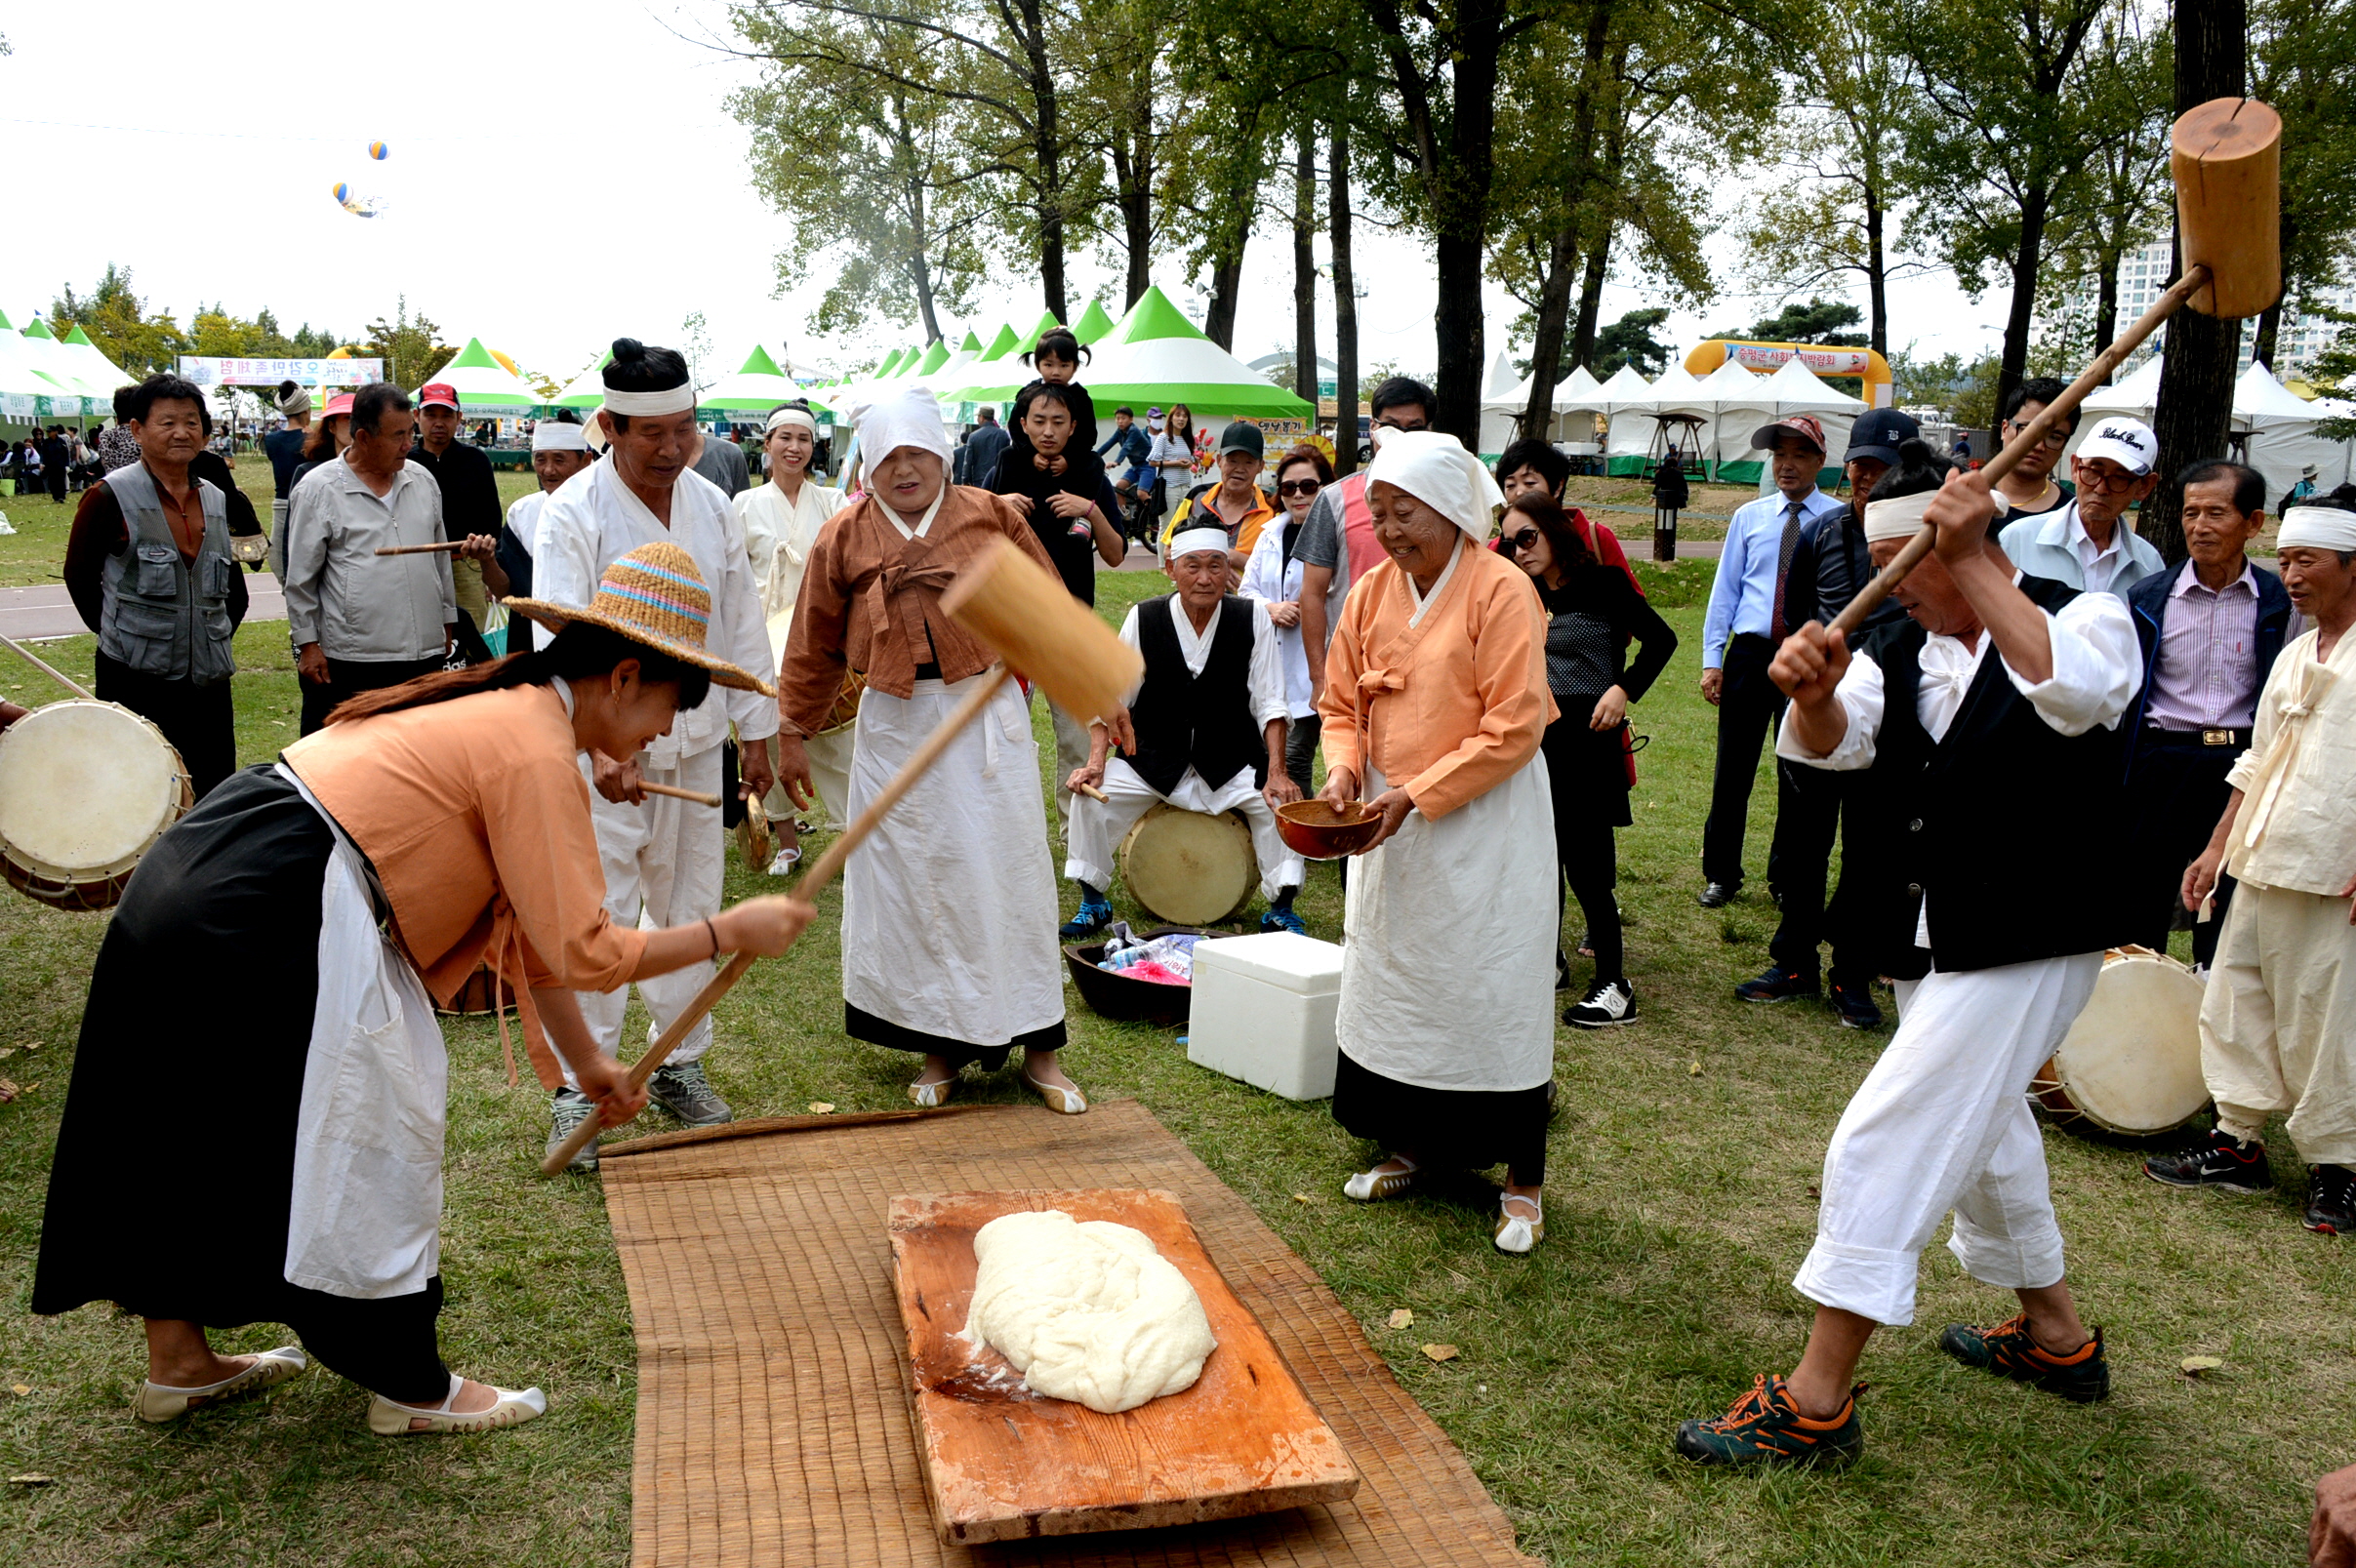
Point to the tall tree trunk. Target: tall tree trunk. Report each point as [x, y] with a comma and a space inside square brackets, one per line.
[2036, 202]
[1537, 416]
[2196, 374]
[1345, 297]
[1458, 189]
[2269, 329]
[1877, 273]
[1304, 266]
[2106, 300]
[1227, 280]
[1596, 266]
[1136, 175]
[1554, 297]
[1046, 146]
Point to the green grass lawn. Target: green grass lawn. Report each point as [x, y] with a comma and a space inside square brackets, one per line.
[1680, 1202]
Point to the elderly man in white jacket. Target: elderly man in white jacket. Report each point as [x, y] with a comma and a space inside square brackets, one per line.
[662, 856]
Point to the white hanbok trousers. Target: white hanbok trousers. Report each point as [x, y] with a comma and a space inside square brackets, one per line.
[1943, 1123]
[2278, 1023]
[663, 862]
[1097, 827]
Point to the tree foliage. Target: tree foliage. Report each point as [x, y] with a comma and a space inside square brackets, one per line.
[143, 341]
[1819, 321]
[1629, 340]
[411, 346]
[2299, 55]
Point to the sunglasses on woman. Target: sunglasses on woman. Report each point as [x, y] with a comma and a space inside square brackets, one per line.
[1517, 543]
[1299, 487]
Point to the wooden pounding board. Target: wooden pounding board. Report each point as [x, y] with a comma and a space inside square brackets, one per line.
[1002, 1463]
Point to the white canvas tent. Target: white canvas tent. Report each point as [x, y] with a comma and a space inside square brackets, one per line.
[1501, 408]
[2138, 395]
[2281, 426]
[1622, 400]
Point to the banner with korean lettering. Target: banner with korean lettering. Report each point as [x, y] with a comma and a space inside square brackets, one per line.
[1824, 361]
[208, 370]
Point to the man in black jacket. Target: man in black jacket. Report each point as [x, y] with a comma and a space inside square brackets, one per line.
[979, 453]
[469, 502]
[1996, 929]
[1829, 565]
[2209, 630]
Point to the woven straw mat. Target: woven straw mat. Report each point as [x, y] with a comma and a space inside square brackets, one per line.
[773, 1421]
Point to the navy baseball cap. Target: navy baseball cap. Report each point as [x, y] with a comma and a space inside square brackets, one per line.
[1877, 434]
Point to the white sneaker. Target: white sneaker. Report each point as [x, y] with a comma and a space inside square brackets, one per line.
[1612, 1002]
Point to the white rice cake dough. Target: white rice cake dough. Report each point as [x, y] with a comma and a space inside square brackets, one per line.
[1089, 1312]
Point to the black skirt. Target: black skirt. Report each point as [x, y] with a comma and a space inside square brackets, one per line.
[1454, 1129]
[172, 1182]
[1586, 770]
[860, 1025]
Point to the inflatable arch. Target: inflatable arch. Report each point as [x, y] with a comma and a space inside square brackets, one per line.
[1863, 363]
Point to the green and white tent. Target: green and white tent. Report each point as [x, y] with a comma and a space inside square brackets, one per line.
[93, 365]
[25, 393]
[935, 358]
[967, 352]
[485, 387]
[996, 377]
[76, 395]
[986, 369]
[757, 387]
[586, 390]
[1092, 324]
[1155, 355]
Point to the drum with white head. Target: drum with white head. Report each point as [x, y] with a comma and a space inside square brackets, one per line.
[2132, 1062]
[1187, 866]
[86, 789]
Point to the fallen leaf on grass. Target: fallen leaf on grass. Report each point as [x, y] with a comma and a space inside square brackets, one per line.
[1402, 1317]
[7, 1090]
[1441, 1352]
[20, 1390]
[7, 1051]
[33, 1045]
[1301, 1197]
[819, 1108]
[30, 1480]
[1812, 1193]
[1695, 1070]
[2197, 1364]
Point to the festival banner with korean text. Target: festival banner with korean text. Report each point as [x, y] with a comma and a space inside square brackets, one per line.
[208, 370]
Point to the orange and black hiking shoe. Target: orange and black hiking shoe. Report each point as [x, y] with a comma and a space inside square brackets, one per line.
[2008, 1351]
[1764, 1427]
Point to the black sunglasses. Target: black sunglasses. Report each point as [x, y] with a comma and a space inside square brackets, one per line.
[1299, 487]
[1517, 543]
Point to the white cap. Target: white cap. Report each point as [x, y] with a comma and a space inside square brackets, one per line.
[2318, 528]
[2126, 442]
[554, 435]
[1187, 541]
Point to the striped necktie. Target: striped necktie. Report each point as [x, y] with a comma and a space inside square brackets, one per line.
[1776, 630]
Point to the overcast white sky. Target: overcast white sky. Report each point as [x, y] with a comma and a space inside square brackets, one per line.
[558, 176]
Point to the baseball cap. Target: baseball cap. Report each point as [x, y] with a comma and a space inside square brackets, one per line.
[1239, 436]
[437, 394]
[1802, 426]
[340, 403]
[1877, 434]
[2126, 442]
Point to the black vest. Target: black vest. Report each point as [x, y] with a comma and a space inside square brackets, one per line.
[1203, 721]
[2003, 820]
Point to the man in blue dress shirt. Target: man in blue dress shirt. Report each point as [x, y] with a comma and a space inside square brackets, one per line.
[1741, 632]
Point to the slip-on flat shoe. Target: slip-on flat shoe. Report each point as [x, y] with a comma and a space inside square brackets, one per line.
[161, 1401]
[513, 1407]
[932, 1096]
[1063, 1101]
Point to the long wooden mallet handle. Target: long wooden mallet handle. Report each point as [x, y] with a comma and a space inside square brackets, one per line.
[1910, 555]
[676, 793]
[41, 664]
[821, 871]
[439, 548]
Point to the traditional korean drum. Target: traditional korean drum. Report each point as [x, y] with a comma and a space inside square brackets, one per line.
[86, 789]
[480, 994]
[1189, 867]
[2132, 1062]
[845, 712]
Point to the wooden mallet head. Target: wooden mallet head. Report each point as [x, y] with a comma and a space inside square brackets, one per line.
[1044, 635]
[2226, 159]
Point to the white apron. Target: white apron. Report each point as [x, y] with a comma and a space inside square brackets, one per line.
[1448, 964]
[949, 911]
[367, 1213]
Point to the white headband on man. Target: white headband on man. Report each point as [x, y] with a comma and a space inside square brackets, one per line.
[1900, 518]
[555, 435]
[1189, 541]
[792, 419]
[669, 400]
[2317, 528]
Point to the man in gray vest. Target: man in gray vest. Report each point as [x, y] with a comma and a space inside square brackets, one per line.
[148, 565]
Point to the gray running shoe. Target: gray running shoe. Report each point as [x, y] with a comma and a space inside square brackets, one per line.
[681, 1089]
[568, 1109]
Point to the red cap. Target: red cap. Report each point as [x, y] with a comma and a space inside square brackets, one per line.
[441, 394]
[340, 403]
[1802, 426]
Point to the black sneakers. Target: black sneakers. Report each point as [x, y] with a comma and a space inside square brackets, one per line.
[680, 1087]
[1855, 1006]
[2332, 1200]
[1612, 1002]
[1718, 894]
[1779, 985]
[2218, 1161]
[1764, 1427]
[2008, 1351]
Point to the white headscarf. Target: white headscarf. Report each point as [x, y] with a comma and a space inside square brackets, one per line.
[1437, 470]
[555, 435]
[2320, 528]
[904, 417]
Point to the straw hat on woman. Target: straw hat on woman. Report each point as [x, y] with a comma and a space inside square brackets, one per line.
[429, 829]
[1434, 707]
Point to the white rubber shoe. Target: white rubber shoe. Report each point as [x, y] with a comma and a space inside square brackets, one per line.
[514, 1407]
[161, 1401]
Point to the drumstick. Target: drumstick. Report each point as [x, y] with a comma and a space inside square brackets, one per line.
[813, 882]
[35, 660]
[435, 548]
[1093, 793]
[698, 796]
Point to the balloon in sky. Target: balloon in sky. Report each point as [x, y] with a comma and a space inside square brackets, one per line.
[352, 202]
[375, 151]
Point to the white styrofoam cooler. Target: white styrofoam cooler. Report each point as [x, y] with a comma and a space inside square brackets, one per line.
[1263, 1012]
